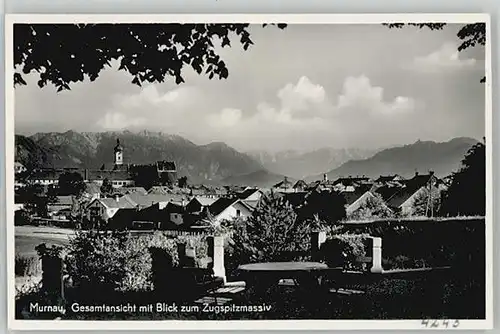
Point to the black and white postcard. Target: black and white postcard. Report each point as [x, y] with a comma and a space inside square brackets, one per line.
[305, 171]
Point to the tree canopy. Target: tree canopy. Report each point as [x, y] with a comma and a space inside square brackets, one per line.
[63, 54]
[71, 183]
[470, 35]
[467, 192]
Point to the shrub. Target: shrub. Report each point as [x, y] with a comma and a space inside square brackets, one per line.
[21, 217]
[342, 250]
[119, 261]
[271, 233]
[27, 265]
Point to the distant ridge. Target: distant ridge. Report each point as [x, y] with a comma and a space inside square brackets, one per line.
[206, 163]
[421, 156]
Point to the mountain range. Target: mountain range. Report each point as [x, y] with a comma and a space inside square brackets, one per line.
[302, 164]
[218, 163]
[422, 156]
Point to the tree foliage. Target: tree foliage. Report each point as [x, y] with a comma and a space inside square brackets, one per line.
[182, 182]
[63, 54]
[373, 207]
[470, 35]
[106, 187]
[466, 194]
[71, 183]
[37, 199]
[427, 203]
[271, 233]
[325, 206]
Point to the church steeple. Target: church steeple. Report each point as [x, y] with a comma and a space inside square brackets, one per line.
[118, 153]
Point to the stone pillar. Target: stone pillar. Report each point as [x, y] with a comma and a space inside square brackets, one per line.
[318, 238]
[376, 246]
[216, 252]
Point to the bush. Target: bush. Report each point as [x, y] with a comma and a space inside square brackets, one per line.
[119, 261]
[21, 217]
[27, 265]
[342, 250]
[271, 233]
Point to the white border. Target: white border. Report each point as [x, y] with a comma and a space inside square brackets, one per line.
[10, 19]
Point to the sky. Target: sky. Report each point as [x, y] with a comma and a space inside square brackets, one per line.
[303, 88]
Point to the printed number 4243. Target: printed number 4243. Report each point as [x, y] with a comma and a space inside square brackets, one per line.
[428, 323]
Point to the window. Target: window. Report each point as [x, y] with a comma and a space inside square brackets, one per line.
[238, 213]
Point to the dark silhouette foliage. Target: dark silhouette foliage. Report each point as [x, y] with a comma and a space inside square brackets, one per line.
[470, 35]
[63, 54]
[106, 187]
[467, 192]
[71, 184]
[327, 206]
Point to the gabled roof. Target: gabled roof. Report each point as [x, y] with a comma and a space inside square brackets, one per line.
[64, 200]
[284, 184]
[246, 193]
[114, 204]
[151, 199]
[388, 178]
[220, 205]
[204, 201]
[387, 191]
[163, 190]
[46, 174]
[130, 190]
[300, 184]
[112, 175]
[349, 181]
[353, 196]
[92, 188]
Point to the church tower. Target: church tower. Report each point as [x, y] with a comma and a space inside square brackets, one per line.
[118, 153]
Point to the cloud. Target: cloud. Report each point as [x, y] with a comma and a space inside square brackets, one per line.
[446, 57]
[163, 109]
[119, 121]
[304, 116]
[301, 95]
[227, 117]
[359, 94]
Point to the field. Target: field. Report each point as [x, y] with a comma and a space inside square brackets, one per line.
[28, 237]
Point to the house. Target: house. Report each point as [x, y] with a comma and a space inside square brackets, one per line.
[199, 204]
[420, 185]
[283, 186]
[384, 179]
[228, 209]
[143, 201]
[118, 178]
[130, 190]
[45, 176]
[106, 208]
[61, 203]
[92, 190]
[356, 199]
[350, 183]
[300, 185]
[250, 194]
[160, 190]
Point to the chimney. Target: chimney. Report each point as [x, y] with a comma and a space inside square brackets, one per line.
[416, 173]
[117, 198]
[325, 177]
